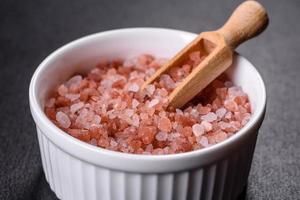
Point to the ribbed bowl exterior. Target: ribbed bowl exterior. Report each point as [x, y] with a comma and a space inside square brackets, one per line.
[74, 179]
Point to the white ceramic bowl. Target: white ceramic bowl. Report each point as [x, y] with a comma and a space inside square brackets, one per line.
[77, 170]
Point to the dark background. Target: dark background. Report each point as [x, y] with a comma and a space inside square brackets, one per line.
[30, 30]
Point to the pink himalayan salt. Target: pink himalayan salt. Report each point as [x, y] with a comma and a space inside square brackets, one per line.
[63, 119]
[209, 117]
[161, 136]
[77, 106]
[221, 112]
[198, 130]
[133, 87]
[106, 108]
[207, 126]
[164, 124]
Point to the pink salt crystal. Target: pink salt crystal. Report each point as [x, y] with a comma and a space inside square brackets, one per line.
[198, 130]
[224, 125]
[75, 80]
[209, 117]
[207, 126]
[228, 115]
[135, 103]
[178, 111]
[72, 97]
[231, 105]
[113, 143]
[63, 119]
[221, 112]
[203, 141]
[133, 87]
[93, 142]
[246, 118]
[129, 112]
[203, 110]
[50, 103]
[221, 136]
[195, 56]
[149, 148]
[135, 120]
[161, 136]
[164, 124]
[150, 89]
[62, 90]
[77, 106]
[167, 82]
[153, 103]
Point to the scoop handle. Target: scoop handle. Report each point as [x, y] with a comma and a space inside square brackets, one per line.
[247, 21]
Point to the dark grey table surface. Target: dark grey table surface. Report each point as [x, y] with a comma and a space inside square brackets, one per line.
[30, 30]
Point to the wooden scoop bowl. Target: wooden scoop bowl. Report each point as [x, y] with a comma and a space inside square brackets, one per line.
[247, 21]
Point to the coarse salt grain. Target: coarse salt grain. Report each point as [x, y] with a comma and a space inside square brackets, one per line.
[63, 119]
[209, 117]
[198, 130]
[133, 87]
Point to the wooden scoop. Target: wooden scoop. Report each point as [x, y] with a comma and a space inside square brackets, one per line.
[247, 21]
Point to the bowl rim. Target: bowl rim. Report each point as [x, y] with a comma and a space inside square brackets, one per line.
[42, 120]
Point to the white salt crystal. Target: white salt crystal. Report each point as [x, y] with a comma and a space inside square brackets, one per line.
[75, 80]
[198, 130]
[62, 90]
[63, 119]
[133, 87]
[203, 141]
[221, 112]
[209, 117]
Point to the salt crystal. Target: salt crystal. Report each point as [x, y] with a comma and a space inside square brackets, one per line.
[150, 89]
[164, 124]
[72, 97]
[75, 80]
[153, 103]
[203, 141]
[77, 106]
[221, 112]
[62, 90]
[133, 87]
[113, 143]
[198, 130]
[135, 103]
[207, 126]
[50, 103]
[135, 120]
[167, 81]
[63, 119]
[209, 117]
[129, 112]
[178, 111]
[93, 142]
[161, 136]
